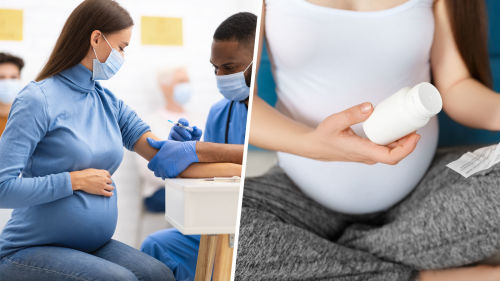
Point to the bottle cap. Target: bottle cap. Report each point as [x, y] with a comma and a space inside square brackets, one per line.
[426, 99]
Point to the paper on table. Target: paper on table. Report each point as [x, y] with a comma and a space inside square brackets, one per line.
[221, 179]
[472, 162]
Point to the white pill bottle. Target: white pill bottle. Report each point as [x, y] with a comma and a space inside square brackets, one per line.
[402, 113]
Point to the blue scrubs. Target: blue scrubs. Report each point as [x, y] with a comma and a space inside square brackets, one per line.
[65, 123]
[180, 252]
[215, 130]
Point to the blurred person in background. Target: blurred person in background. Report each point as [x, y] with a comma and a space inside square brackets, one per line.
[177, 91]
[232, 58]
[10, 84]
[176, 88]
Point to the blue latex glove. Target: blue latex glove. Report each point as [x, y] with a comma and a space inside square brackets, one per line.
[173, 157]
[178, 133]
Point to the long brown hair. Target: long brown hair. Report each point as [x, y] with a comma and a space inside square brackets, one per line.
[469, 24]
[73, 44]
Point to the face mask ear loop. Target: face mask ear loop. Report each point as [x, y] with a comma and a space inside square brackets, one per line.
[106, 41]
[95, 54]
[247, 67]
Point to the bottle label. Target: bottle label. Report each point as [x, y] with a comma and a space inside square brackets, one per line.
[479, 160]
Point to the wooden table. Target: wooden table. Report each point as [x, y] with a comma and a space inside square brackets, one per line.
[215, 249]
[208, 208]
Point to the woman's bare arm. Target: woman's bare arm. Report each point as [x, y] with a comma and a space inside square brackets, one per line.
[143, 148]
[465, 100]
[210, 170]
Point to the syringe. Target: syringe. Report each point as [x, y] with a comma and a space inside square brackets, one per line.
[180, 125]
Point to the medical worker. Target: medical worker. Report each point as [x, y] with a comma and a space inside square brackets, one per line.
[10, 84]
[232, 56]
[63, 141]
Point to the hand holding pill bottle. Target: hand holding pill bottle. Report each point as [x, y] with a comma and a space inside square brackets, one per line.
[402, 113]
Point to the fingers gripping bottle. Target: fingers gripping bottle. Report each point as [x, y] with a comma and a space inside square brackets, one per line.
[402, 113]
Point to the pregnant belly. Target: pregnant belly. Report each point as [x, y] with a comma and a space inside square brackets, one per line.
[358, 188]
[81, 221]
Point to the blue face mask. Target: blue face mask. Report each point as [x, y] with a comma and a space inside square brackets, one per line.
[182, 93]
[233, 86]
[9, 88]
[104, 71]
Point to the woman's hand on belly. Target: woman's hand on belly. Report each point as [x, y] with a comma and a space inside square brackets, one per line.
[92, 181]
[334, 140]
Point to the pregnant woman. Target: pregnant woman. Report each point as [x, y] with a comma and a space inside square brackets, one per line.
[63, 141]
[342, 220]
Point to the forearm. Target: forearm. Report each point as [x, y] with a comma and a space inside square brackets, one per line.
[209, 152]
[465, 100]
[143, 148]
[472, 104]
[269, 128]
[23, 192]
[210, 170]
[272, 130]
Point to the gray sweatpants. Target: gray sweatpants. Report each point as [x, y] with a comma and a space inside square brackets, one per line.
[447, 221]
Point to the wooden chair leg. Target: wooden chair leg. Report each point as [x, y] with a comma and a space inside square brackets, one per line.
[206, 255]
[223, 259]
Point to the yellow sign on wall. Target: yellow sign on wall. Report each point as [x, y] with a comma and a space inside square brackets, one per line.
[161, 31]
[11, 24]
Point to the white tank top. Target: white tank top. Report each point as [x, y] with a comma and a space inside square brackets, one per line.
[327, 60]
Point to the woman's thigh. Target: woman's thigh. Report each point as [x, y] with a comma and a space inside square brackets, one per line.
[143, 266]
[276, 194]
[270, 249]
[447, 221]
[48, 263]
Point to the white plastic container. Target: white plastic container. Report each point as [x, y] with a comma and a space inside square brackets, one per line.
[202, 207]
[402, 113]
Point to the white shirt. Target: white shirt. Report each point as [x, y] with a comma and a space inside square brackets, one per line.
[327, 60]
